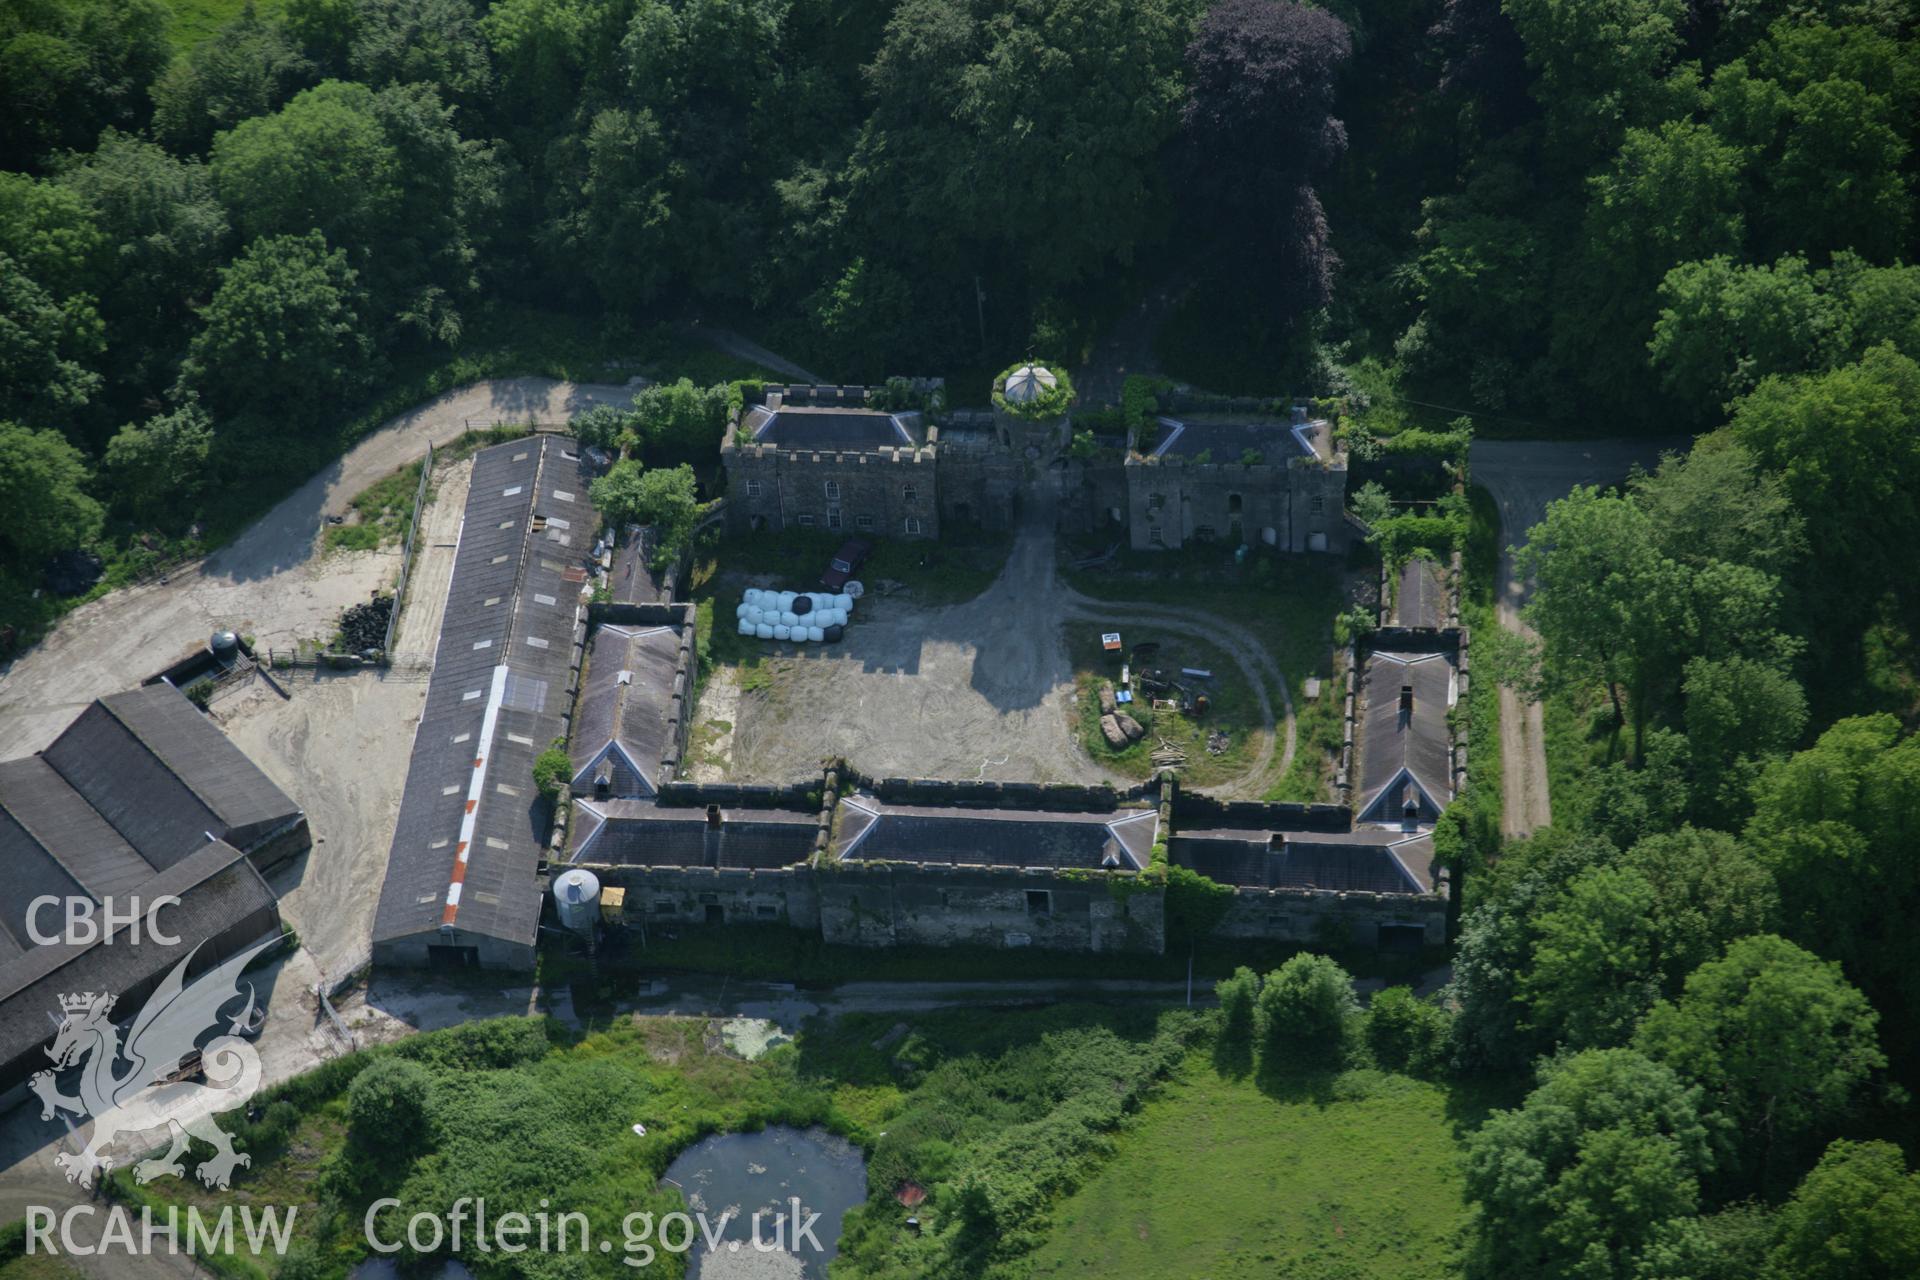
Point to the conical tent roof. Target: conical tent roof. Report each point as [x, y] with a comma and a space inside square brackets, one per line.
[1028, 383]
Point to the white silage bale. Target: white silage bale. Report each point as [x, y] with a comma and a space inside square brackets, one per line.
[783, 632]
[746, 628]
[763, 631]
[816, 634]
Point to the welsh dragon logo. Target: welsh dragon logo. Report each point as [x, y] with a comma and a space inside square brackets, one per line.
[145, 1095]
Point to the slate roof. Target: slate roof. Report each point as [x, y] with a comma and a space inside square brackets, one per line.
[804, 427]
[1229, 441]
[469, 837]
[640, 833]
[1374, 861]
[220, 892]
[632, 579]
[871, 831]
[1404, 756]
[1421, 599]
[620, 722]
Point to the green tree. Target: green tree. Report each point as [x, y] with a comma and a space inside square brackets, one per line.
[1237, 995]
[387, 1106]
[159, 465]
[1822, 110]
[1740, 713]
[45, 349]
[1305, 1010]
[43, 490]
[1404, 1032]
[434, 42]
[667, 499]
[1834, 822]
[679, 421]
[167, 235]
[1590, 1171]
[1608, 605]
[1855, 1217]
[1779, 1041]
[617, 494]
[285, 338]
[250, 67]
[70, 68]
[1715, 503]
[1846, 450]
[1603, 66]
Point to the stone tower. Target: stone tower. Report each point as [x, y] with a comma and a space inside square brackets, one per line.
[1031, 403]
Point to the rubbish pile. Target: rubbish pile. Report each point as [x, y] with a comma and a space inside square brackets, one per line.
[364, 626]
[804, 616]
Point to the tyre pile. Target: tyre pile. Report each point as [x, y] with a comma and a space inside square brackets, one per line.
[364, 626]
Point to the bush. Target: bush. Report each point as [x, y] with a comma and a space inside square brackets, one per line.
[1305, 1009]
[1048, 404]
[1404, 1032]
[1237, 995]
[387, 1106]
[552, 770]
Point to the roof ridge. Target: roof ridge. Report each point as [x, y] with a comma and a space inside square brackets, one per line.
[148, 747]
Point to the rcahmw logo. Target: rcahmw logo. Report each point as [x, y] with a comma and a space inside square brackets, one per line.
[86, 924]
[151, 1093]
[188, 1231]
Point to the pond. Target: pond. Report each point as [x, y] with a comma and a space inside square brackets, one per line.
[742, 1174]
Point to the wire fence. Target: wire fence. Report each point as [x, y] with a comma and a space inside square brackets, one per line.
[406, 555]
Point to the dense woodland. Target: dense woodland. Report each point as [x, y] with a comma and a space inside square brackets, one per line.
[1560, 217]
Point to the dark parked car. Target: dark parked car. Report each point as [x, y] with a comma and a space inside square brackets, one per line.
[846, 562]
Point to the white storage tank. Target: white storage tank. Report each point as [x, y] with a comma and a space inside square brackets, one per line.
[576, 896]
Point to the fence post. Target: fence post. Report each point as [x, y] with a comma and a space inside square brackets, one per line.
[406, 555]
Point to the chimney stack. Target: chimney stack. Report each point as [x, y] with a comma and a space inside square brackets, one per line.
[713, 817]
[1406, 699]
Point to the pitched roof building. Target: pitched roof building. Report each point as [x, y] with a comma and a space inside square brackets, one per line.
[461, 886]
[141, 798]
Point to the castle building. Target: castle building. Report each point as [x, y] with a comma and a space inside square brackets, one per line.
[830, 458]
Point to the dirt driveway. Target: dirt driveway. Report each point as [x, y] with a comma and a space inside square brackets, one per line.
[270, 582]
[1524, 476]
[981, 689]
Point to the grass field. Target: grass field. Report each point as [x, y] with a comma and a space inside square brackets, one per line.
[1360, 1180]
[195, 20]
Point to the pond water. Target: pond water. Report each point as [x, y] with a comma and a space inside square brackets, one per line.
[383, 1269]
[746, 1173]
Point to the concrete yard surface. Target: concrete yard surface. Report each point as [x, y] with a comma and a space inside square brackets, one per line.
[273, 581]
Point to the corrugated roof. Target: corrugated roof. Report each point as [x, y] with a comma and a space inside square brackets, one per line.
[469, 837]
[161, 776]
[871, 831]
[217, 887]
[1405, 755]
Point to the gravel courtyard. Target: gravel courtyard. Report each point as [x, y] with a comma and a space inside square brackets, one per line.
[973, 690]
[977, 690]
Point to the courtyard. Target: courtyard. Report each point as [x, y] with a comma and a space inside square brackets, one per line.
[996, 686]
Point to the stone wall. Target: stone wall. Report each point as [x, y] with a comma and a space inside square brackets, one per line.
[1327, 918]
[887, 492]
[898, 904]
[1298, 506]
[703, 895]
[892, 904]
[979, 485]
